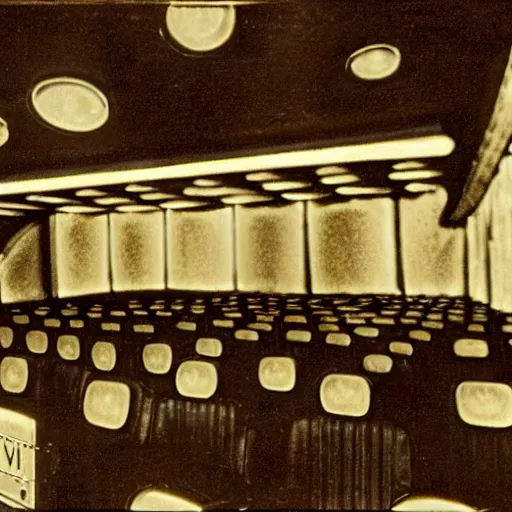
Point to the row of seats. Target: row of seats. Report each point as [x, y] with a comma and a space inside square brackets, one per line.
[173, 391]
[107, 402]
[157, 357]
[209, 331]
[108, 405]
[321, 314]
[193, 357]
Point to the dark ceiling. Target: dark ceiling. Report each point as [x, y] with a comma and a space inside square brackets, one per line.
[280, 80]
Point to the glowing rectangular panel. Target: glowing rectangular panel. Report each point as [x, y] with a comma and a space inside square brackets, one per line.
[477, 229]
[432, 256]
[200, 253]
[352, 247]
[137, 245]
[500, 246]
[392, 149]
[80, 254]
[21, 269]
[483, 220]
[270, 249]
[17, 459]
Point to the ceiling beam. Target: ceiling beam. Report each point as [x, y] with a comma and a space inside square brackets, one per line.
[496, 137]
[410, 147]
[180, 3]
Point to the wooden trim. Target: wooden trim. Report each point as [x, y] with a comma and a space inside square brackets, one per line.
[496, 137]
[180, 3]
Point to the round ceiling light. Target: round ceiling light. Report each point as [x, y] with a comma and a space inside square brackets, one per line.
[4, 132]
[70, 104]
[200, 29]
[374, 62]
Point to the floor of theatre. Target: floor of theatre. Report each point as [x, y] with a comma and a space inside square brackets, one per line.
[267, 433]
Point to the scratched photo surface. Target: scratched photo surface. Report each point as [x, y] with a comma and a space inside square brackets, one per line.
[256, 254]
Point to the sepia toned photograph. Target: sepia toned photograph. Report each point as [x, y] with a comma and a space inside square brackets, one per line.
[256, 255]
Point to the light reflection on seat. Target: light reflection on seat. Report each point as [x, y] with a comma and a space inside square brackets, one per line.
[68, 347]
[344, 394]
[196, 379]
[157, 358]
[107, 404]
[14, 374]
[431, 504]
[277, 373]
[37, 342]
[484, 404]
[103, 355]
[153, 499]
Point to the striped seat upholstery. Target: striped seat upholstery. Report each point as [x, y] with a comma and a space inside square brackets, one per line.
[202, 431]
[348, 465]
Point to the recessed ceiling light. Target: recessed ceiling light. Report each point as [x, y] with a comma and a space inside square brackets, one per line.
[418, 188]
[374, 62]
[10, 213]
[158, 196]
[19, 206]
[205, 182]
[414, 175]
[406, 166]
[80, 209]
[200, 29]
[70, 104]
[277, 186]
[262, 176]
[180, 204]
[135, 187]
[247, 199]
[363, 191]
[304, 196]
[90, 192]
[136, 208]
[215, 191]
[4, 132]
[341, 179]
[112, 201]
[331, 170]
[49, 199]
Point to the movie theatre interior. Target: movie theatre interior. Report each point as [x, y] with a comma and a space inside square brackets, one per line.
[256, 254]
